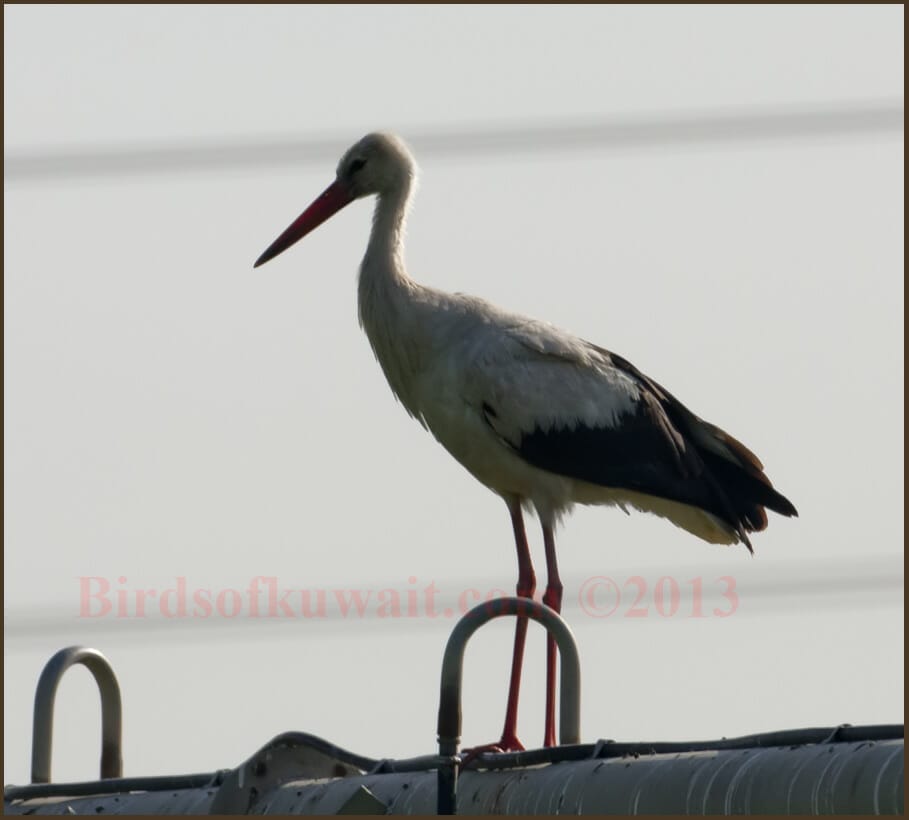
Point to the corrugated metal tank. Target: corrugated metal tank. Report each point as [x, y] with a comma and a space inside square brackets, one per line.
[835, 777]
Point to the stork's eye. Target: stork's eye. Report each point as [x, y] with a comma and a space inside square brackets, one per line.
[357, 164]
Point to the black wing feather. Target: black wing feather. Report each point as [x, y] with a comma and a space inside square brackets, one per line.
[664, 450]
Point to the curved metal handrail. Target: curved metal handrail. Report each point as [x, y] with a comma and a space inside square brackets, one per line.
[111, 711]
[449, 726]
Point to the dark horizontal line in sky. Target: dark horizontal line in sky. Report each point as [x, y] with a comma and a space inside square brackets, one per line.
[68, 628]
[663, 130]
[844, 585]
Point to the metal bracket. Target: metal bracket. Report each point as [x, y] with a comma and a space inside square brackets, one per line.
[290, 756]
[449, 725]
[111, 711]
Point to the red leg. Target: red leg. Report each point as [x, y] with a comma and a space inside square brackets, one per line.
[527, 583]
[553, 599]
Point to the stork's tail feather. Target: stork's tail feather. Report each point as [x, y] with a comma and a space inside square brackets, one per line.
[738, 476]
[748, 492]
[740, 493]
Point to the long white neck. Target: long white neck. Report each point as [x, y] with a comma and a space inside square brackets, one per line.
[383, 265]
[387, 296]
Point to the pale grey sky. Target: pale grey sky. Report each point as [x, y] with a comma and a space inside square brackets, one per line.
[172, 413]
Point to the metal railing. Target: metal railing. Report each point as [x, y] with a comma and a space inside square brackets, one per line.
[111, 711]
[452, 672]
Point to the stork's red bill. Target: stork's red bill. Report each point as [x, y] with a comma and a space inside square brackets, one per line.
[541, 417]
[325, 206]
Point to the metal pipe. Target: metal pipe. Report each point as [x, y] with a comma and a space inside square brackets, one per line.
[449, 726]
[111, 711]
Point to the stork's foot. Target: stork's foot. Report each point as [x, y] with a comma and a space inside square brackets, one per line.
[508, 743]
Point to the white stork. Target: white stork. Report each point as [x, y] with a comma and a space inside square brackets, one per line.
[544, 419]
